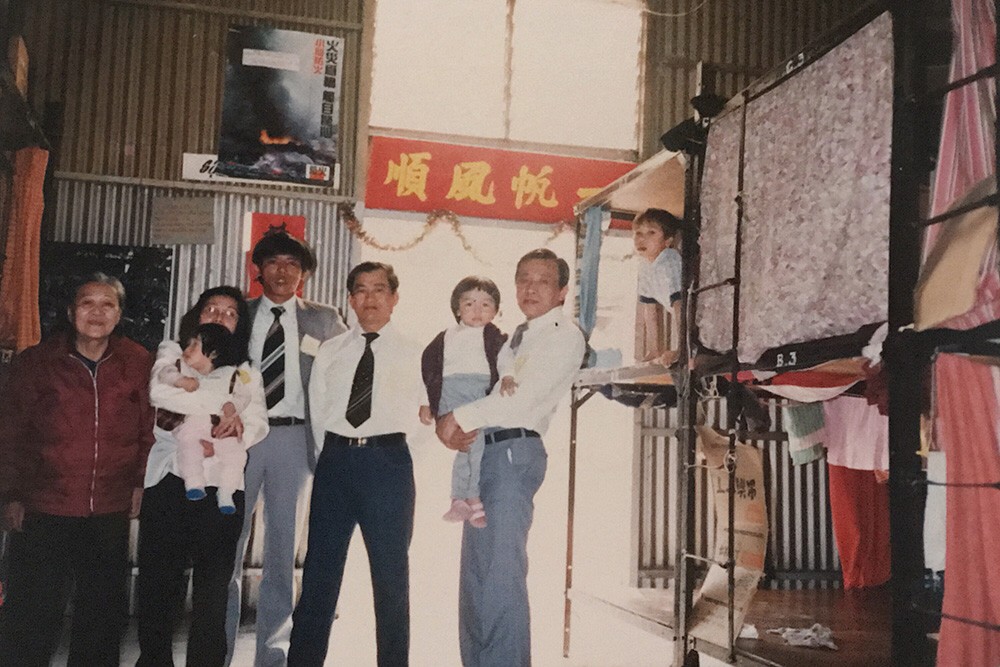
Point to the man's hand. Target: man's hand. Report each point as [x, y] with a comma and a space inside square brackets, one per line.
[228, 427]
[452, 435]
[133, 512]
[12, 516]
[426, 418]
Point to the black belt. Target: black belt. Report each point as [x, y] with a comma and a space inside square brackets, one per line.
[285, 421]
[383, 440]
[508, 433]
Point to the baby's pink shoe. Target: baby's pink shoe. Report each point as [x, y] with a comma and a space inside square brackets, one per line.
[458, 512]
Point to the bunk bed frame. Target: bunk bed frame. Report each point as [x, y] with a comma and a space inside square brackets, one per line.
[863, 618]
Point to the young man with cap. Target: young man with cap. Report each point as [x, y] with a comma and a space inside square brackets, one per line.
[286, 335]
[494, 628]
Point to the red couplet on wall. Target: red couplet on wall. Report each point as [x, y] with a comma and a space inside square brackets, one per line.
[414, 175]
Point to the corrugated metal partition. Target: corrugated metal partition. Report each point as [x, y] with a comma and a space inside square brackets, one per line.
[740, 39]
[113, 213]
[128, 86]
[802, 551]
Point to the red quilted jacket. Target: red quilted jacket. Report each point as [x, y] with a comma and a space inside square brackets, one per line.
[71, 443]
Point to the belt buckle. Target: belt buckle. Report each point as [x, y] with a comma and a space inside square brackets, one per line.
[358, 442]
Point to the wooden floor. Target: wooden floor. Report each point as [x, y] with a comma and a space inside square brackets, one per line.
[861, 622]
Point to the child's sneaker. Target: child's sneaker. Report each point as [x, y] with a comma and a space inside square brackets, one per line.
[458, 512]
[195, 494]
[226, 504]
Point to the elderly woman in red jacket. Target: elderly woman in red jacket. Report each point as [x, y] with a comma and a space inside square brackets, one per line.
[75, 430]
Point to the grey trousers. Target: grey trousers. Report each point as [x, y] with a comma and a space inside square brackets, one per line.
[278, 472]
[457, 390]
[494, 621]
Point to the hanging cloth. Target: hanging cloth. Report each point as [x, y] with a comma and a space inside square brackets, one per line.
[20, 326]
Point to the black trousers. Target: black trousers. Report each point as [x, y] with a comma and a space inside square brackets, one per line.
[372, 488]
[45, 558]
[176, 533]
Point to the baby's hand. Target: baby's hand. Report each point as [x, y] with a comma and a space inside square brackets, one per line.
[208, 447]
[187, 384]
[228, 409]
[426, 417]
[507, 385]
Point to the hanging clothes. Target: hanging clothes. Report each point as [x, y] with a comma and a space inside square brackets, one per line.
[859, 504]
[20, 326]
[856, 434]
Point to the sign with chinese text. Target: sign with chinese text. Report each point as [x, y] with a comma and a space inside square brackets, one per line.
[281, 106]
[415, 175]
[259, 224]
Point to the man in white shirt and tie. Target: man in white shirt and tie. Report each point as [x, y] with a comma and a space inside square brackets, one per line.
[364, 394]
[548, 349]
[284, 338]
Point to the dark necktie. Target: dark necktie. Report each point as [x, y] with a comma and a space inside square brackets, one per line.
[272, 360]
[515, 340]
[359, 405]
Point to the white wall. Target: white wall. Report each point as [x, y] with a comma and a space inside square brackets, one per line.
[439, 67]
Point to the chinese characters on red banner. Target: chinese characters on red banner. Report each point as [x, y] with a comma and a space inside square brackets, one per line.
[412, 175]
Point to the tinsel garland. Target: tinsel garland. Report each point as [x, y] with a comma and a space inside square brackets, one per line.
[433, 218]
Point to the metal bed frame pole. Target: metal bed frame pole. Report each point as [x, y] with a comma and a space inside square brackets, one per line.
[906, 501]
[732, 409]
[575, 402]
[684, 574]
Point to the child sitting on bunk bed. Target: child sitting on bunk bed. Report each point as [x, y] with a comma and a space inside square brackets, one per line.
[460, 365]
[656, 233]
[189, 388]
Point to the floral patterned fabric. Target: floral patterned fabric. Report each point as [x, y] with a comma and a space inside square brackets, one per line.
[815, 247]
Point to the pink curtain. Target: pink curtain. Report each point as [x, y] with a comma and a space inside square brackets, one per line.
[968, 393]
[967, 421]
[19, 321]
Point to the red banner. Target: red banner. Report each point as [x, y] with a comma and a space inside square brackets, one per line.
[413, 175]
[260, 224]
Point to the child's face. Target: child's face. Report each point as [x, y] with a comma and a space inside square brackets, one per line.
[195, 358]
[649, 240]
[476, 308]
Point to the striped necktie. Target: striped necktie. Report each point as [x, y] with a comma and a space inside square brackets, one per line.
[359, 405]
[272, 360]
[515, 340]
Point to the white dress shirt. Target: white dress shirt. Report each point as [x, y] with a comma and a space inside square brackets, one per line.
[464, 351]
[293, 404]
[544, 367]
[397, 387]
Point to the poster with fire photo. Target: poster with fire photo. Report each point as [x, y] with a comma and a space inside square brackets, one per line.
[255, 226]
[281, 106]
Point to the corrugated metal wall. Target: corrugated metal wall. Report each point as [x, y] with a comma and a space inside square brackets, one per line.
[119, 214]
[802, 552]
[128, 86]
[741, 39]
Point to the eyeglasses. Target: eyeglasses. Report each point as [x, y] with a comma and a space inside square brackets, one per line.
[221, 313]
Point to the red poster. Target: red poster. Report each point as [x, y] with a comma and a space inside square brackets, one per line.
[413, 175]
[260, 224]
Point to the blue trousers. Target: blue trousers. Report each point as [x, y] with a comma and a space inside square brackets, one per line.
[370, 487]
[494, 621]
